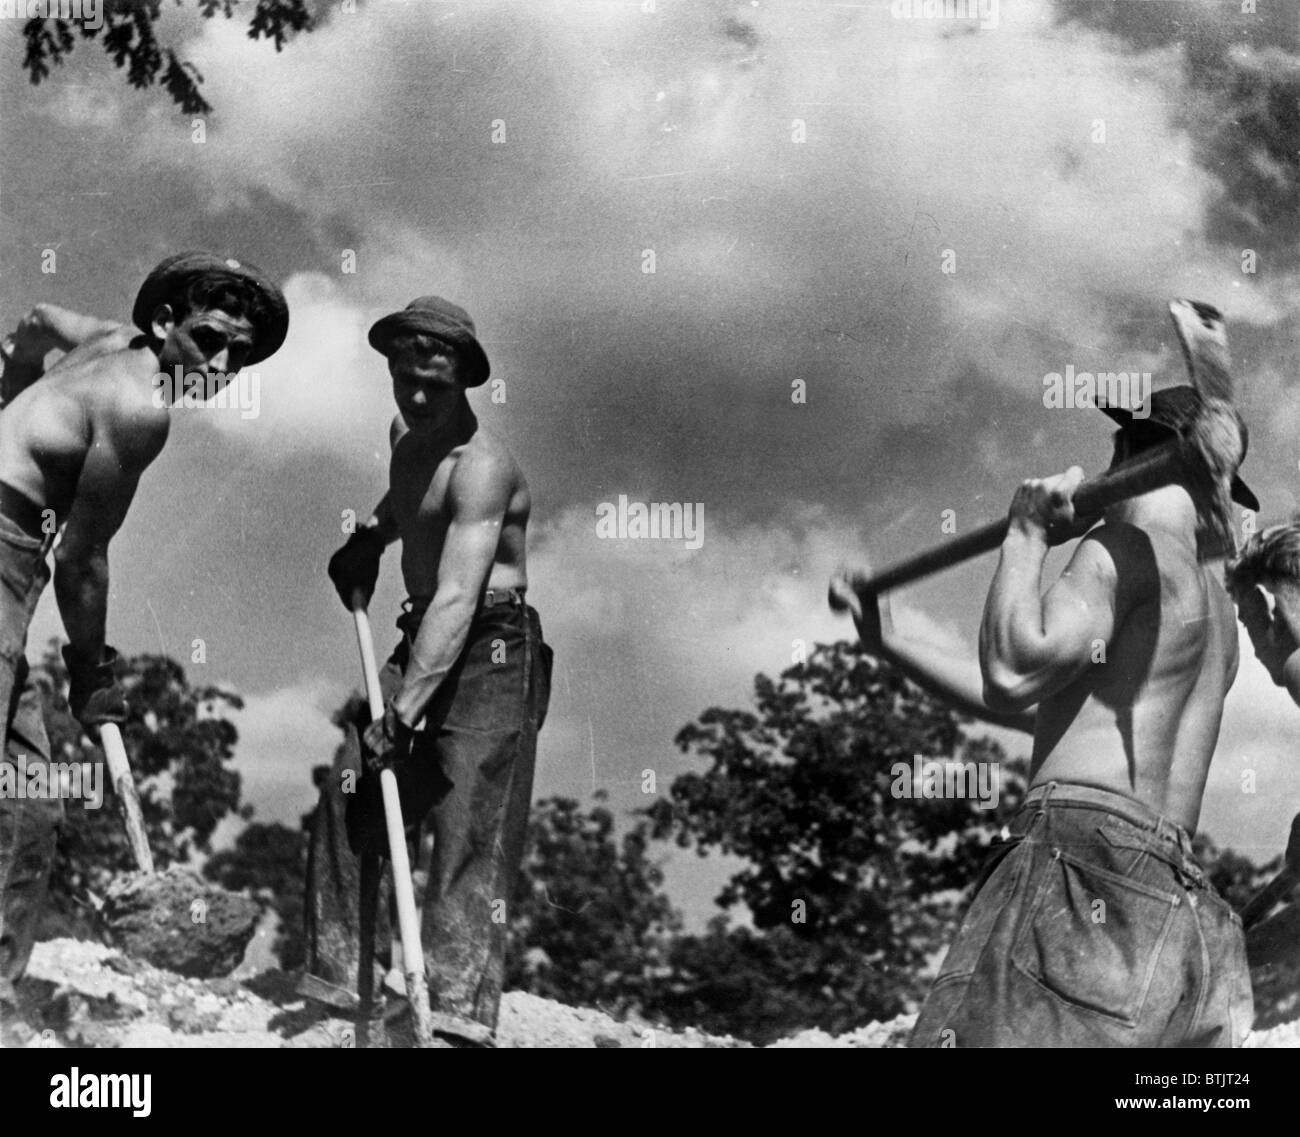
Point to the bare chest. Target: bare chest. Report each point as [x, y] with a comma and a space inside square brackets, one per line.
[418, 491]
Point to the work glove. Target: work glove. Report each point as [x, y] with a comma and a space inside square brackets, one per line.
[94, 695]
[386, 742]
[356, 565]
[384, 745]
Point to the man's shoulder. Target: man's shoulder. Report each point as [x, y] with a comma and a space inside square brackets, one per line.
[486, 454]
[124, 404]
[116, 348]
[484, 467]
[1128, 558]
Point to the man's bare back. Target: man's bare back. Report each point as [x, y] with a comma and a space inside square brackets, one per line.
[423, 473]
[1143, 719]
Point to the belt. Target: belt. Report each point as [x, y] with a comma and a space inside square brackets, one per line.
[414, 608]
[22, 511]
[494, 596]
[1065, 794]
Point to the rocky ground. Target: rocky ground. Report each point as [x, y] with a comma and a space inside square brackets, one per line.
[86, 994]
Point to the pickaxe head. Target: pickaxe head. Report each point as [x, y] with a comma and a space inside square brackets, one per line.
[1204, 339]
[1184, 411]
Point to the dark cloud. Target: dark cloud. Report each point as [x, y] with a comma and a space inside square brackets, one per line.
[1245, 66]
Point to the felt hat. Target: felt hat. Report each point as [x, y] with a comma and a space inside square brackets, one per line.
[176, 272]
[445, 321]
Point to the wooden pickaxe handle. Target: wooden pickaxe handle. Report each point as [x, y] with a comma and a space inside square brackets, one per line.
[1150, 470]
[128, 799]
[1259, 905]
[417, 988]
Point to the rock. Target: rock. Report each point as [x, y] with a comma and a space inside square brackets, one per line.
[179, 922]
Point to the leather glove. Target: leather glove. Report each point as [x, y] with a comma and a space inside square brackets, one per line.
[94, 695]
[386, 742]
[356, 564]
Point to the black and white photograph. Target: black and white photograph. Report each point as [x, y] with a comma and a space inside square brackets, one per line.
[640, 524]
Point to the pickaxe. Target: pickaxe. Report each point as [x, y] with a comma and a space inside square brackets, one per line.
[128, 799]
[1259, 905]
[417, 989]
[1206, 451]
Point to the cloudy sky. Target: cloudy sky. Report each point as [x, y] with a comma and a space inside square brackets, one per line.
[802, 173]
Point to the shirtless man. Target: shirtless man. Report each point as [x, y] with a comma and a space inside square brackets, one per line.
[72, 449]
[466, 690]
[1265, 582]
[1092, 924]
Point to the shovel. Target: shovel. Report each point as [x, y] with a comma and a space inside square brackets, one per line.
[417, 990]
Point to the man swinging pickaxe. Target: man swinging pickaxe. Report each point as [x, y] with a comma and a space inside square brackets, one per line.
[1122, 739]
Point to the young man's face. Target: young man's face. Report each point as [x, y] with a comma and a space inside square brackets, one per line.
[426, 385]
[211, 342]
[1270, 634]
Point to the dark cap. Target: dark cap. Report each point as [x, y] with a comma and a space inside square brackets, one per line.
[445, 321]
[176, 272]
[1171, 410]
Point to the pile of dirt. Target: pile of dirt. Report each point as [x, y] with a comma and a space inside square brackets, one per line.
[80, 994]
[178, 921]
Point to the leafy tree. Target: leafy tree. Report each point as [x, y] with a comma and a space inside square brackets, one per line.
[270, 862]
[853, 889]
[180, 745]
[591, 923]
[127, 35]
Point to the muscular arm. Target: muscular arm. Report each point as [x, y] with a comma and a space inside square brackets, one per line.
[932, 667]
[957, 681]
[384, 520]
[1031, 646]
[105, 489]
[48, 326]
[478, 495]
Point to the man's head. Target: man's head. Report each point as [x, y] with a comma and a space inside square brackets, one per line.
[211, 314]
[428, 378]
[433, 356]
[1270, 557]
[1264, 579]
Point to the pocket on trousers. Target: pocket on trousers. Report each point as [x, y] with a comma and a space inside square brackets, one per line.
[1093, 937]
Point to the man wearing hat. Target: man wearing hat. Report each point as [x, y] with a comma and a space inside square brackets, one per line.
[466, 689]
[1092, 923]
[72, 449]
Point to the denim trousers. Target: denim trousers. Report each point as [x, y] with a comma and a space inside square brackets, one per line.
[469, 778]
[28, 825]
[1092, 925]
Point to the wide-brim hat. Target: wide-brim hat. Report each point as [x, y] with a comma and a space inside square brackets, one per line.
[176, 272]
[445, 321]
[1172, 408]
